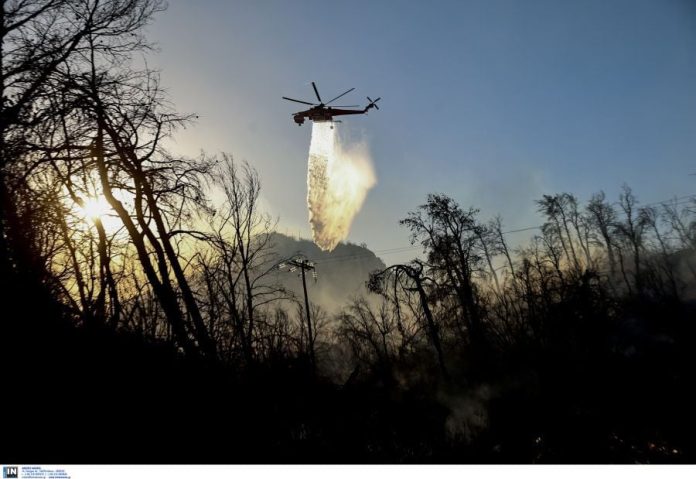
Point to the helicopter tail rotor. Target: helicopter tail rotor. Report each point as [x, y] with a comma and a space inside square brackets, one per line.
[373, 103]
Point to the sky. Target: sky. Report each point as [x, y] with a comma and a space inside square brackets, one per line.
[492, 102]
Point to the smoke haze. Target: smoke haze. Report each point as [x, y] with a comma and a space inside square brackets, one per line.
[338, 179]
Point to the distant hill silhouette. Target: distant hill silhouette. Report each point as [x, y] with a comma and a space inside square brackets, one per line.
[342, 273]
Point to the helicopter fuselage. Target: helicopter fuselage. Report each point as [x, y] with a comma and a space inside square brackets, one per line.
[325, 113]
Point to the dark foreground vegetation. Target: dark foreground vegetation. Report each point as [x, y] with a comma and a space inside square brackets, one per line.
[158, 329]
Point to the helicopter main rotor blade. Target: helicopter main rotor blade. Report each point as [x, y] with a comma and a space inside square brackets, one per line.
[345, 106]
[339, 96]
[298, 101]
[317, 92]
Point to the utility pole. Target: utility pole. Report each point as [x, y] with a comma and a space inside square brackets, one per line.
[305, 266]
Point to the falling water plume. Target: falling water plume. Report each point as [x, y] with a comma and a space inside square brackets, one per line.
[338, 180]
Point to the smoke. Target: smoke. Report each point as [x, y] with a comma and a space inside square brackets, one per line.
[468, 413]
[338, 180]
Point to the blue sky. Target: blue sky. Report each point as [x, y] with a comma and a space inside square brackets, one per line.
[493, 102]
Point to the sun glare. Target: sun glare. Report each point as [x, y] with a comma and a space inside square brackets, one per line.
[95, 208]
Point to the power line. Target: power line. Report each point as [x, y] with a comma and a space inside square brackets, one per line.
[676, 201]
[521, 229]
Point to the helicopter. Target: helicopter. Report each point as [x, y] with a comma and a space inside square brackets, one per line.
[322, 112]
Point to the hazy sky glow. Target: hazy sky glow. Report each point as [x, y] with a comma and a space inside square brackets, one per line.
[491, 102]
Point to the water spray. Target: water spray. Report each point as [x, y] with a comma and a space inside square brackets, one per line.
[338, 179]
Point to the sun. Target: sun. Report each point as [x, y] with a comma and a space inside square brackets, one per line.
[95, 208]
